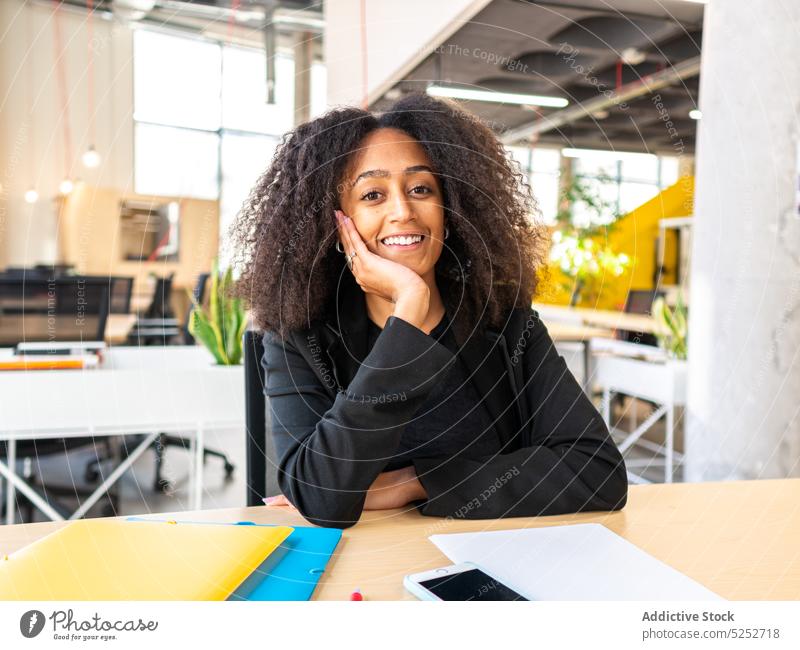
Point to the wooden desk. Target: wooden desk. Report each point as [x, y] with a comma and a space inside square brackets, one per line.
[603, 318]
[567, 332]
[740, 539]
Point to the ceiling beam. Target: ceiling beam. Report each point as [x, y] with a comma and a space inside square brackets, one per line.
[646, 85]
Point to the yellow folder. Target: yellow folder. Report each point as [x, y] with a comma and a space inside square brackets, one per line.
[107, 559]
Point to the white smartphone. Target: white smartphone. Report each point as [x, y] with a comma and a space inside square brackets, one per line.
[465, 581]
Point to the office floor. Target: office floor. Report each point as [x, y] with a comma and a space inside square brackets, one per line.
[136, 488]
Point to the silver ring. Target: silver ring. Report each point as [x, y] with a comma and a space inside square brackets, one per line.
[352, 255]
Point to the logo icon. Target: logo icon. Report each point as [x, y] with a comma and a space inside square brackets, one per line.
[31, 623]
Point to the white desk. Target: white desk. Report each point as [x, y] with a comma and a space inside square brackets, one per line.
[152, 390]
[661, 383]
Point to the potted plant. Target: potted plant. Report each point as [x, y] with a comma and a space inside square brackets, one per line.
[221, 325]
[671, 327]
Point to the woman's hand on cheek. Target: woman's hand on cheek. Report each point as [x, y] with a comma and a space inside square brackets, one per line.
[394, 489]
[385, 278]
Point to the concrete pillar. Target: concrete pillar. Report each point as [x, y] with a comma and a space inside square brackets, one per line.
[743, 415]
[303, 58]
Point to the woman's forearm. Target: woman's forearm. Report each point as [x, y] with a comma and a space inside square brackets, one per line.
[331, 451]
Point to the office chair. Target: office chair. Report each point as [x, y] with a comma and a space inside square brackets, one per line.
[165, 440]
[158, 325]
[121, 293]
[640, 302]
[199, 294]
[260, 450]
[55, 270]
[255, 418]
[66, 308]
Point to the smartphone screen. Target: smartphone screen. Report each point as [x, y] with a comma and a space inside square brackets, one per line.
[473, 584]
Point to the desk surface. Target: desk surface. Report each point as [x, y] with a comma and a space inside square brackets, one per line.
[603, 318]
[567, 332]
[740, 539]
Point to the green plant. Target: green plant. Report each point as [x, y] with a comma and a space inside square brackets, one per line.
[221, 326]
[581, 249]
[671, 327]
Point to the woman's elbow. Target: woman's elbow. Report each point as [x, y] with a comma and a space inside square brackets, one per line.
[614, 492]
[328, 517]
[322, 507]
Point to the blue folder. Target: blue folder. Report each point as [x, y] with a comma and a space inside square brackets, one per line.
[293, 570]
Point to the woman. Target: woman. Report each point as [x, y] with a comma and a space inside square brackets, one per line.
[391, 260]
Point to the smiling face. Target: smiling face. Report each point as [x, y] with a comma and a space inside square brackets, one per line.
[395, 200]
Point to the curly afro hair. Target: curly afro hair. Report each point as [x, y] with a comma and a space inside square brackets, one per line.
[284, 237]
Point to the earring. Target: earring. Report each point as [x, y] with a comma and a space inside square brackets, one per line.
[446, 232]
[339, 246]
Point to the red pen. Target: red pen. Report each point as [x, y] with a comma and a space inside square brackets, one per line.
[356, 595]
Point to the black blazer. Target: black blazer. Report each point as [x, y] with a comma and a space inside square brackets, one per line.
[337, 415]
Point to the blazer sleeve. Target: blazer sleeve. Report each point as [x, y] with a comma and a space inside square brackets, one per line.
[330, 450]
[568, 462]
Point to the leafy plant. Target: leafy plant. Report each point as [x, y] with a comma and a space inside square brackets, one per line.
[671, 327]
[579, 248]
[221, 326]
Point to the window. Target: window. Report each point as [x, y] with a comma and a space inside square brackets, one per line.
[244, 158]
[541, 169]
[176, 162]
[203, 128]
[176, 81]
[244, 92]
[319, 89]
[624, 180]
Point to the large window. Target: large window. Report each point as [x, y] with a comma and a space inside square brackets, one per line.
[624, 181]
[203, 127]
[541, 169]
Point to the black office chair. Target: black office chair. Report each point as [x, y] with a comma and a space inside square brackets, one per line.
[260, 450]
[165, 440]
[55, 270]
[158, 325]
[121, 294]
[640, 301]
[40, 309]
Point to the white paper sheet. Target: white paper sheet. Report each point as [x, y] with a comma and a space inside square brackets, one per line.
[577, 562]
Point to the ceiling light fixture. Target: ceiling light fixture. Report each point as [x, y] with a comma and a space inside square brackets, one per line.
[31, 196]
[632, 56]
[91, 158]
[496, 97]
[66, 186]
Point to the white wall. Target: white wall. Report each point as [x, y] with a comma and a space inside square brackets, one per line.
[399, 36]
[32, 152]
